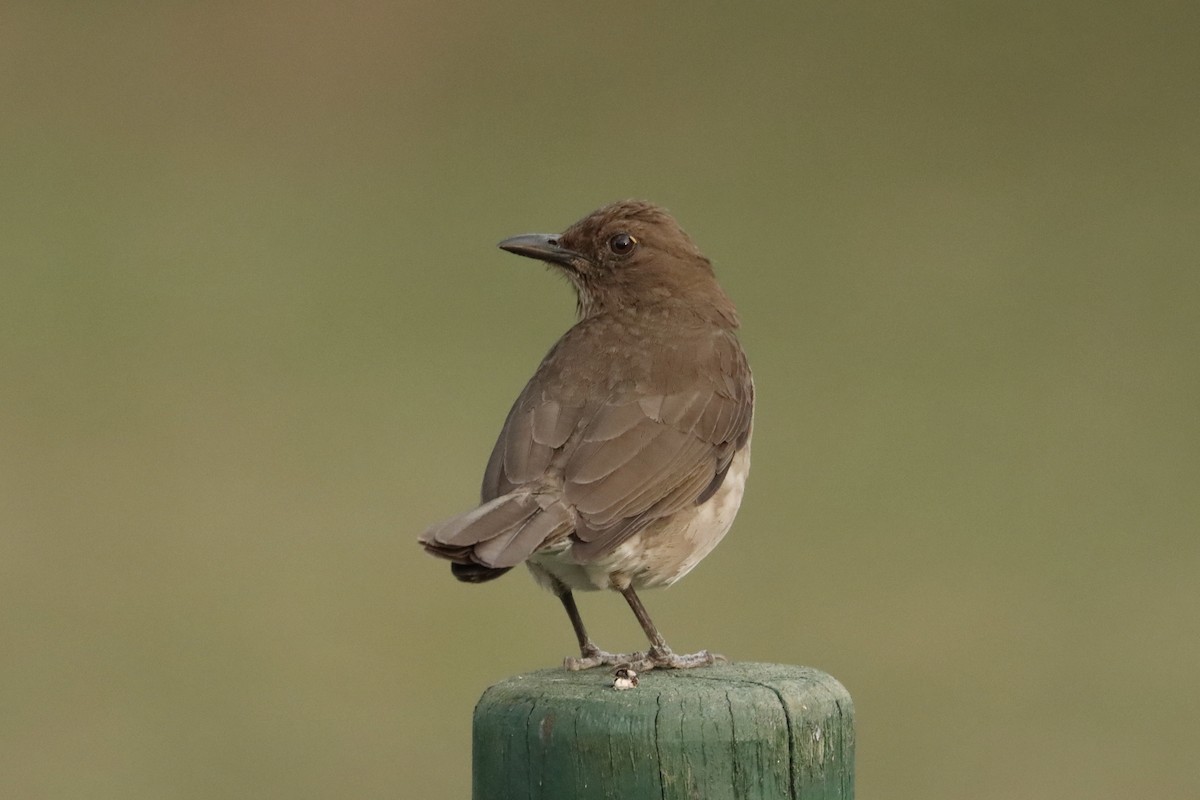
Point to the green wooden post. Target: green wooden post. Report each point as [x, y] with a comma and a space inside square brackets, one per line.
[749, 731]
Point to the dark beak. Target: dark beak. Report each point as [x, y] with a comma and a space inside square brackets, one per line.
[542, 246]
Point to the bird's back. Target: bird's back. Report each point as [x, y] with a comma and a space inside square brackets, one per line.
[627, 435]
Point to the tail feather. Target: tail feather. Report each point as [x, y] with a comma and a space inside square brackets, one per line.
[476, 573]
[491, 539]
[511, 547]
[493, 518]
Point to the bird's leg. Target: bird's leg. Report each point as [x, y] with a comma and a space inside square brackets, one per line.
[589, 654]
[660, 655]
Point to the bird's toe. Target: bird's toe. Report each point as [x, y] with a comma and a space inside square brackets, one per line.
[665, 658]
[591, 657]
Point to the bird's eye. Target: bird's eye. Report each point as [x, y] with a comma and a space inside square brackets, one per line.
[622, 244]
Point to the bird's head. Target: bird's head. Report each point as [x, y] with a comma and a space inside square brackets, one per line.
[628, 254]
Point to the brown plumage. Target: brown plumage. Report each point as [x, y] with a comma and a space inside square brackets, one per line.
[622, 462]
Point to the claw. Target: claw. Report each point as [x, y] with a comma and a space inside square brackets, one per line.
[656, 657]
[664, 658]
[591, 657]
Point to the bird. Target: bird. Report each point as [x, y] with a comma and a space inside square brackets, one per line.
[623, 462]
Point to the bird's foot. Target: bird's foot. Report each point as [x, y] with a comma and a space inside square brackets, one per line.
[665, 658]
[654, 658]
[591, 656]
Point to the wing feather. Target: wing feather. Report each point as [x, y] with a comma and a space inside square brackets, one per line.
[644, 447]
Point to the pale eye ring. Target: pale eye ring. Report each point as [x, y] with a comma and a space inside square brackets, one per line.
[622, 244]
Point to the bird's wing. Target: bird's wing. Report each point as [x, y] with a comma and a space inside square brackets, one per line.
[650, 448]
[645, 458]
[534, 435]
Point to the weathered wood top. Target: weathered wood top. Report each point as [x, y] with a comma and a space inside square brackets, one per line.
[731, 730]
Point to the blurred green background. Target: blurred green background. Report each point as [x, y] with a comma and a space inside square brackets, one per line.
[255, 335]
